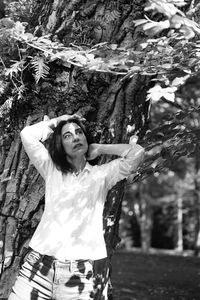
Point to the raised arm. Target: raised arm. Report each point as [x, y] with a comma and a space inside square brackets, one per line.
[132, 156]
[32, 138]
[125, 150]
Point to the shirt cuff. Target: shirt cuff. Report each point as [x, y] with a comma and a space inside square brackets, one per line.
[126, 152]
[46, 131]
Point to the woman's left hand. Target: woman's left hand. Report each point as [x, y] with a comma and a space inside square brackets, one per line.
[93, 151]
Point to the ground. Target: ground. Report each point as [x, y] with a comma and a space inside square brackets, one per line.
[136, 276]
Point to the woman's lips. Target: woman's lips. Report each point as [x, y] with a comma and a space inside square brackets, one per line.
[77, 146]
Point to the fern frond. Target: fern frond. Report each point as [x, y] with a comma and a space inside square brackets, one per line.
[15, 68]
[41, 69]
[112, 15]
[2, 87]
[5, 108]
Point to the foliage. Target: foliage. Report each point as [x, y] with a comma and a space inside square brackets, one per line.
[174, 19]
[5, 108]
[177, 49]
[156, 56]
[175, 135]
[19, 10]
[161, 55]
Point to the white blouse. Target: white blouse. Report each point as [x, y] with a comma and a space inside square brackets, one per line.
[72, 223]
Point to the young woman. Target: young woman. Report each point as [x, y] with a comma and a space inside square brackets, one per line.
[69, 237]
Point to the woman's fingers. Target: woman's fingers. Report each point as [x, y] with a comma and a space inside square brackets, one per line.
[133, 139]
[75, 116]
[81, 118]
[68, 117]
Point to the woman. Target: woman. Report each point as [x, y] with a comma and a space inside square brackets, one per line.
[69, 237]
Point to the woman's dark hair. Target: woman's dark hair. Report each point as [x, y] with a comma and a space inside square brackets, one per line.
[56, 149]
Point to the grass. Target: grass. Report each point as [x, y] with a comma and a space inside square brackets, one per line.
[137, 276]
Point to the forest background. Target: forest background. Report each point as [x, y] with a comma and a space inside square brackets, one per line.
[129, 67]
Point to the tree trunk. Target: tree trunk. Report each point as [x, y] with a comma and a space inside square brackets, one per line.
[179, 241]
[197, 202]
[179, 185]
[145, 219]
[197, 213]
[109, 105]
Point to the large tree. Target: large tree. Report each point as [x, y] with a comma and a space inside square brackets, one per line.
[108, 103]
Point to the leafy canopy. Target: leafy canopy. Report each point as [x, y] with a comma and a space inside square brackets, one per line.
[170, 44]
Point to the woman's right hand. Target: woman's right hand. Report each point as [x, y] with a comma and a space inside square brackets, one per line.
[55, 121]
[68, 117]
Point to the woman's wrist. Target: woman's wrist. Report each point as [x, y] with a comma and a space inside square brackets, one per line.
[101, 149]
[52, 123]
[55, 121]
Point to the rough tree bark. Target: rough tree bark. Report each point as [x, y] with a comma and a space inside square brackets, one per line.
[197, 202]
[108, 103]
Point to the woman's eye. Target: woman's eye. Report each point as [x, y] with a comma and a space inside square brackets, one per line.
[67, 136]
[80, 132]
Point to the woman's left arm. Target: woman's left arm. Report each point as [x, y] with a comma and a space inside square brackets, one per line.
[127, 151]
[132, 156]
[119, 149]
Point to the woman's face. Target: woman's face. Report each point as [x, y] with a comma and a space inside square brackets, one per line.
[74, 140]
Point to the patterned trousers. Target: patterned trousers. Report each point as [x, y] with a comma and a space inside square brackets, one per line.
[41, 277]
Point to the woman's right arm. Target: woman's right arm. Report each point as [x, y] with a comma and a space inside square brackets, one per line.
[32, 137]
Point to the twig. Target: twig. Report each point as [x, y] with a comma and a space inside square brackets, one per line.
[2, 62]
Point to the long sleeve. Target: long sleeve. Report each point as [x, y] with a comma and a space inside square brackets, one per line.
[122, 167]
[32, 138]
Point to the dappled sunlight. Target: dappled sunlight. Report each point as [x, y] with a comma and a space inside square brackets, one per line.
[72, 211]
[39, 274]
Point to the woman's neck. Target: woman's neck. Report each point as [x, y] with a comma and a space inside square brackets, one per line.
[78, 163]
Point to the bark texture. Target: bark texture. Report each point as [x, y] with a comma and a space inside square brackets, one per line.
[108, 103]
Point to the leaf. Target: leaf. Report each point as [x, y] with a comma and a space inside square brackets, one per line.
[15, 68]
[63, 55]
[188, 32]
[113, 46]
[181, 115]
[112, 15]
[157, 92]
[179, 80]
[135, 69]
[179, 2]
[19, 29]
[90, 56]
[169, 96]
[166, 66]
[163, 7]
[153, 27]
[80, 59]
[140, 22]
[40, 68]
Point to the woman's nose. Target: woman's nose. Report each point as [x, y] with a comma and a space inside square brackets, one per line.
[75, 138]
